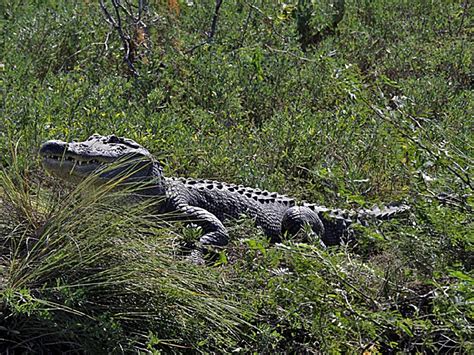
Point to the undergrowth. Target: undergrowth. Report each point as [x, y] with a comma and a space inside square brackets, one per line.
[374, 107]
[99, 277]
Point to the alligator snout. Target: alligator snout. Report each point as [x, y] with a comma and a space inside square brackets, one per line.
[53, 147]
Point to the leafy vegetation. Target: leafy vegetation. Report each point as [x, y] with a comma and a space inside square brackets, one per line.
[345, 103]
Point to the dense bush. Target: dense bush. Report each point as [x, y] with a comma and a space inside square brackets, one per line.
[378, 108]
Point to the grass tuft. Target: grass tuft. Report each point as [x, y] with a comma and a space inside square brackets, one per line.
[95, 274]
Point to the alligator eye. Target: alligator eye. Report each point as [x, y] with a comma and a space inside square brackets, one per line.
[113, 139]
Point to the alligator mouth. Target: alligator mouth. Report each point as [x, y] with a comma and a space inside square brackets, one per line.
[69, 159]
[68, 167]
[76, 169]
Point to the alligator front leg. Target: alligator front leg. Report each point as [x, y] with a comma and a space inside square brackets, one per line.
[215, 233]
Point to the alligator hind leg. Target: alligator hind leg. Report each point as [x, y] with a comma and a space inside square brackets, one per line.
[295, 219]
[336, 231]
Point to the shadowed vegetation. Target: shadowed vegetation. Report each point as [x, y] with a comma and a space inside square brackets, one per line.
[344, 103]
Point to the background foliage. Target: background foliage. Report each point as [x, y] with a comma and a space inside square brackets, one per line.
[378, 107]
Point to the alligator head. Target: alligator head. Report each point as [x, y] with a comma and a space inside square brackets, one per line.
[104, 157]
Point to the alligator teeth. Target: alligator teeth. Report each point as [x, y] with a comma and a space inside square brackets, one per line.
[78, 162]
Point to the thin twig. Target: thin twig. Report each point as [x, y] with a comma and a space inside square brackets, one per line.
[289, 53]
[117, 24]
[214, 19]
[124, 37]
[212, 31]
[244, 29]
[108, 17]
[124, 9]
[269, 20]
[464, 14]
[140, 9]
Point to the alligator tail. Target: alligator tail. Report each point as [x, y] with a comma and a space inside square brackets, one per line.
[364, 214]
[384, 213]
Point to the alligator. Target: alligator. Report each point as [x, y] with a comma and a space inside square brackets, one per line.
[206, 203]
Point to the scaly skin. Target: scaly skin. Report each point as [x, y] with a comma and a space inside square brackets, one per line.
[203, 202]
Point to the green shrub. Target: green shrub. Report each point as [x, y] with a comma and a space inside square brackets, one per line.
[379, 111]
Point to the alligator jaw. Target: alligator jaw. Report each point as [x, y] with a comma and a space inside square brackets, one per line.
[60, 160]
[67, 167]
[104, 157]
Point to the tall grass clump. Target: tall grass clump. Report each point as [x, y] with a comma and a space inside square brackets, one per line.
[342, 103]
[91, 272]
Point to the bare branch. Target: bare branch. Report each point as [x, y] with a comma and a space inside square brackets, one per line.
[142, 8]
[124, 9]
[244, 29]
[124, 37]
[110, 20]
[212, 31]
[465, 7]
